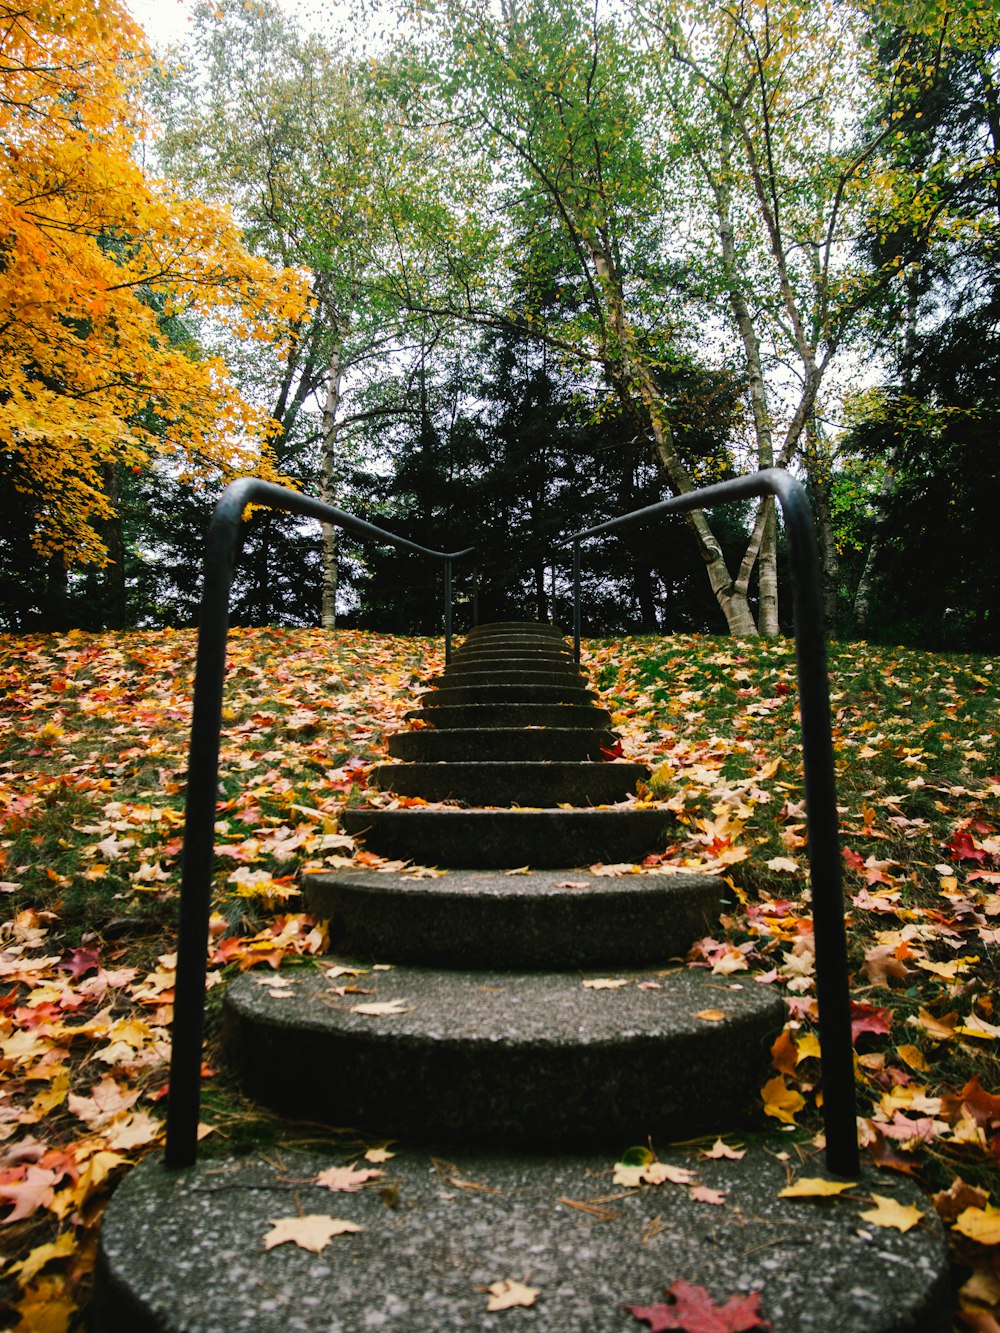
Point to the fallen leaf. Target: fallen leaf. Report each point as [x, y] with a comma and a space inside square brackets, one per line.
[507, 1293]
[780, 1101]
[711, 1015]
[782, 863]
[980, 1224]
[692, 1309]
[888, 1213]
[721, 1149]
[815, 1187]
[606, 983]
[381, 1008]
[378, 1155]
[311, 1232]
[704, 1194]
[346, 1179]
[652, 1173]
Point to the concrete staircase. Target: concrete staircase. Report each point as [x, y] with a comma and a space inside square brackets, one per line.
[517, 1032]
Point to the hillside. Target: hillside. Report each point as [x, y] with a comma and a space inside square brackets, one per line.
[94, 733]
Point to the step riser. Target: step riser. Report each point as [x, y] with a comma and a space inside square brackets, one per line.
[521, 922]
[505, 784]
[501, 667]
[468, 716]
[507, 743]
[509, 838]
[506, 694]
[558, 678]
[506, 1058]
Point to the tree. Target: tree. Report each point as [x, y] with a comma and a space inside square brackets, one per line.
[324, 170]
[94, 253]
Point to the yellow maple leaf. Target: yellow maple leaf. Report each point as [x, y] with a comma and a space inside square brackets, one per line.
[781, 1101]
[815, 1187]
[980, 1224]
[888, 1213]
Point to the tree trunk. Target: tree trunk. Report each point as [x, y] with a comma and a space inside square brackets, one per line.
[112, 611]
[862, 596]
[631, 376]
[327, 492]
[766, 550]
[820, 473]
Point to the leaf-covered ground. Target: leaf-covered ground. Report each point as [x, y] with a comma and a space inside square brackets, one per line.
[92, 761]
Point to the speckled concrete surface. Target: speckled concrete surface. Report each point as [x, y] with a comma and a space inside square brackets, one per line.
[486, 918]
[501, 1057]
[184, 1252]
[499, 782]
[490, 839]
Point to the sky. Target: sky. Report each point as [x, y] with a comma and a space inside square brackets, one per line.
[167, 21]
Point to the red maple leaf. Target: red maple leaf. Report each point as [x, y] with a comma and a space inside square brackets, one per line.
[866, 1018]
[855, 861]
[615, 752]
[693, 1310]
[963, 848]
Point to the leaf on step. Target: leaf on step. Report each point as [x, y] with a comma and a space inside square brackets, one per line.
[507, 1293]
[692, 1309]
[346, 1179]
[312, 1232]
[711, 1015]
[378, 1155]
[888, 1213]
[652, 1173]
[381, 1008]
[705, 1194]
[815, 1187]
[721, 1149]
[605, 983]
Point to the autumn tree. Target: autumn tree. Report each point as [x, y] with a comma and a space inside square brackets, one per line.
[321, 164]
[95, 254]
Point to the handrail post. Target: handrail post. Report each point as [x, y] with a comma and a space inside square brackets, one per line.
[832, 984]
[576, 600]
[221, 551]
[447, 611]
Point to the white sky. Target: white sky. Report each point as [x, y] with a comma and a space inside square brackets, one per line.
[167, 21]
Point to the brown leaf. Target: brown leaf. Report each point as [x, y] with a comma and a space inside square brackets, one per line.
[507, 1293]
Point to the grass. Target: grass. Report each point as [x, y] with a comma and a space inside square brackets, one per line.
[93, 734]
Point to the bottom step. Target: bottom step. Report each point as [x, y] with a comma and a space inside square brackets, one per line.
[185, 1251]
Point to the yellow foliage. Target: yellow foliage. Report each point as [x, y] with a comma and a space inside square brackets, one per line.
[93, 251]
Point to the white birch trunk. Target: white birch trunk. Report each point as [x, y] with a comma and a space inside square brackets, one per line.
[328, 487]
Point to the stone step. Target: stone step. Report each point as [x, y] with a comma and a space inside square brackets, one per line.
[482, 716]
[498, 782]
[526, 628]
[513, 648]
[184, 1250]
[485, 918]
[506, 694]
[536, 675]
[506, 743]
[499, 1057]
[497, 668]
[503, 839]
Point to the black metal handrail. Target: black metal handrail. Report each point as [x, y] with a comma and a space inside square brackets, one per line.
[832, 989]
[221, 553]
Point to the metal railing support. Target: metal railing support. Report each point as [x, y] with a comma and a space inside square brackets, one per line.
[221, 552]
[447, 610]
[832, 990]
[576, 599]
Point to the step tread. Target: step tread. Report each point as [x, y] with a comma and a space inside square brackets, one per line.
[486, 918]
[478, 715]
[495, 782]
[504, 1057]
[422, 1266]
